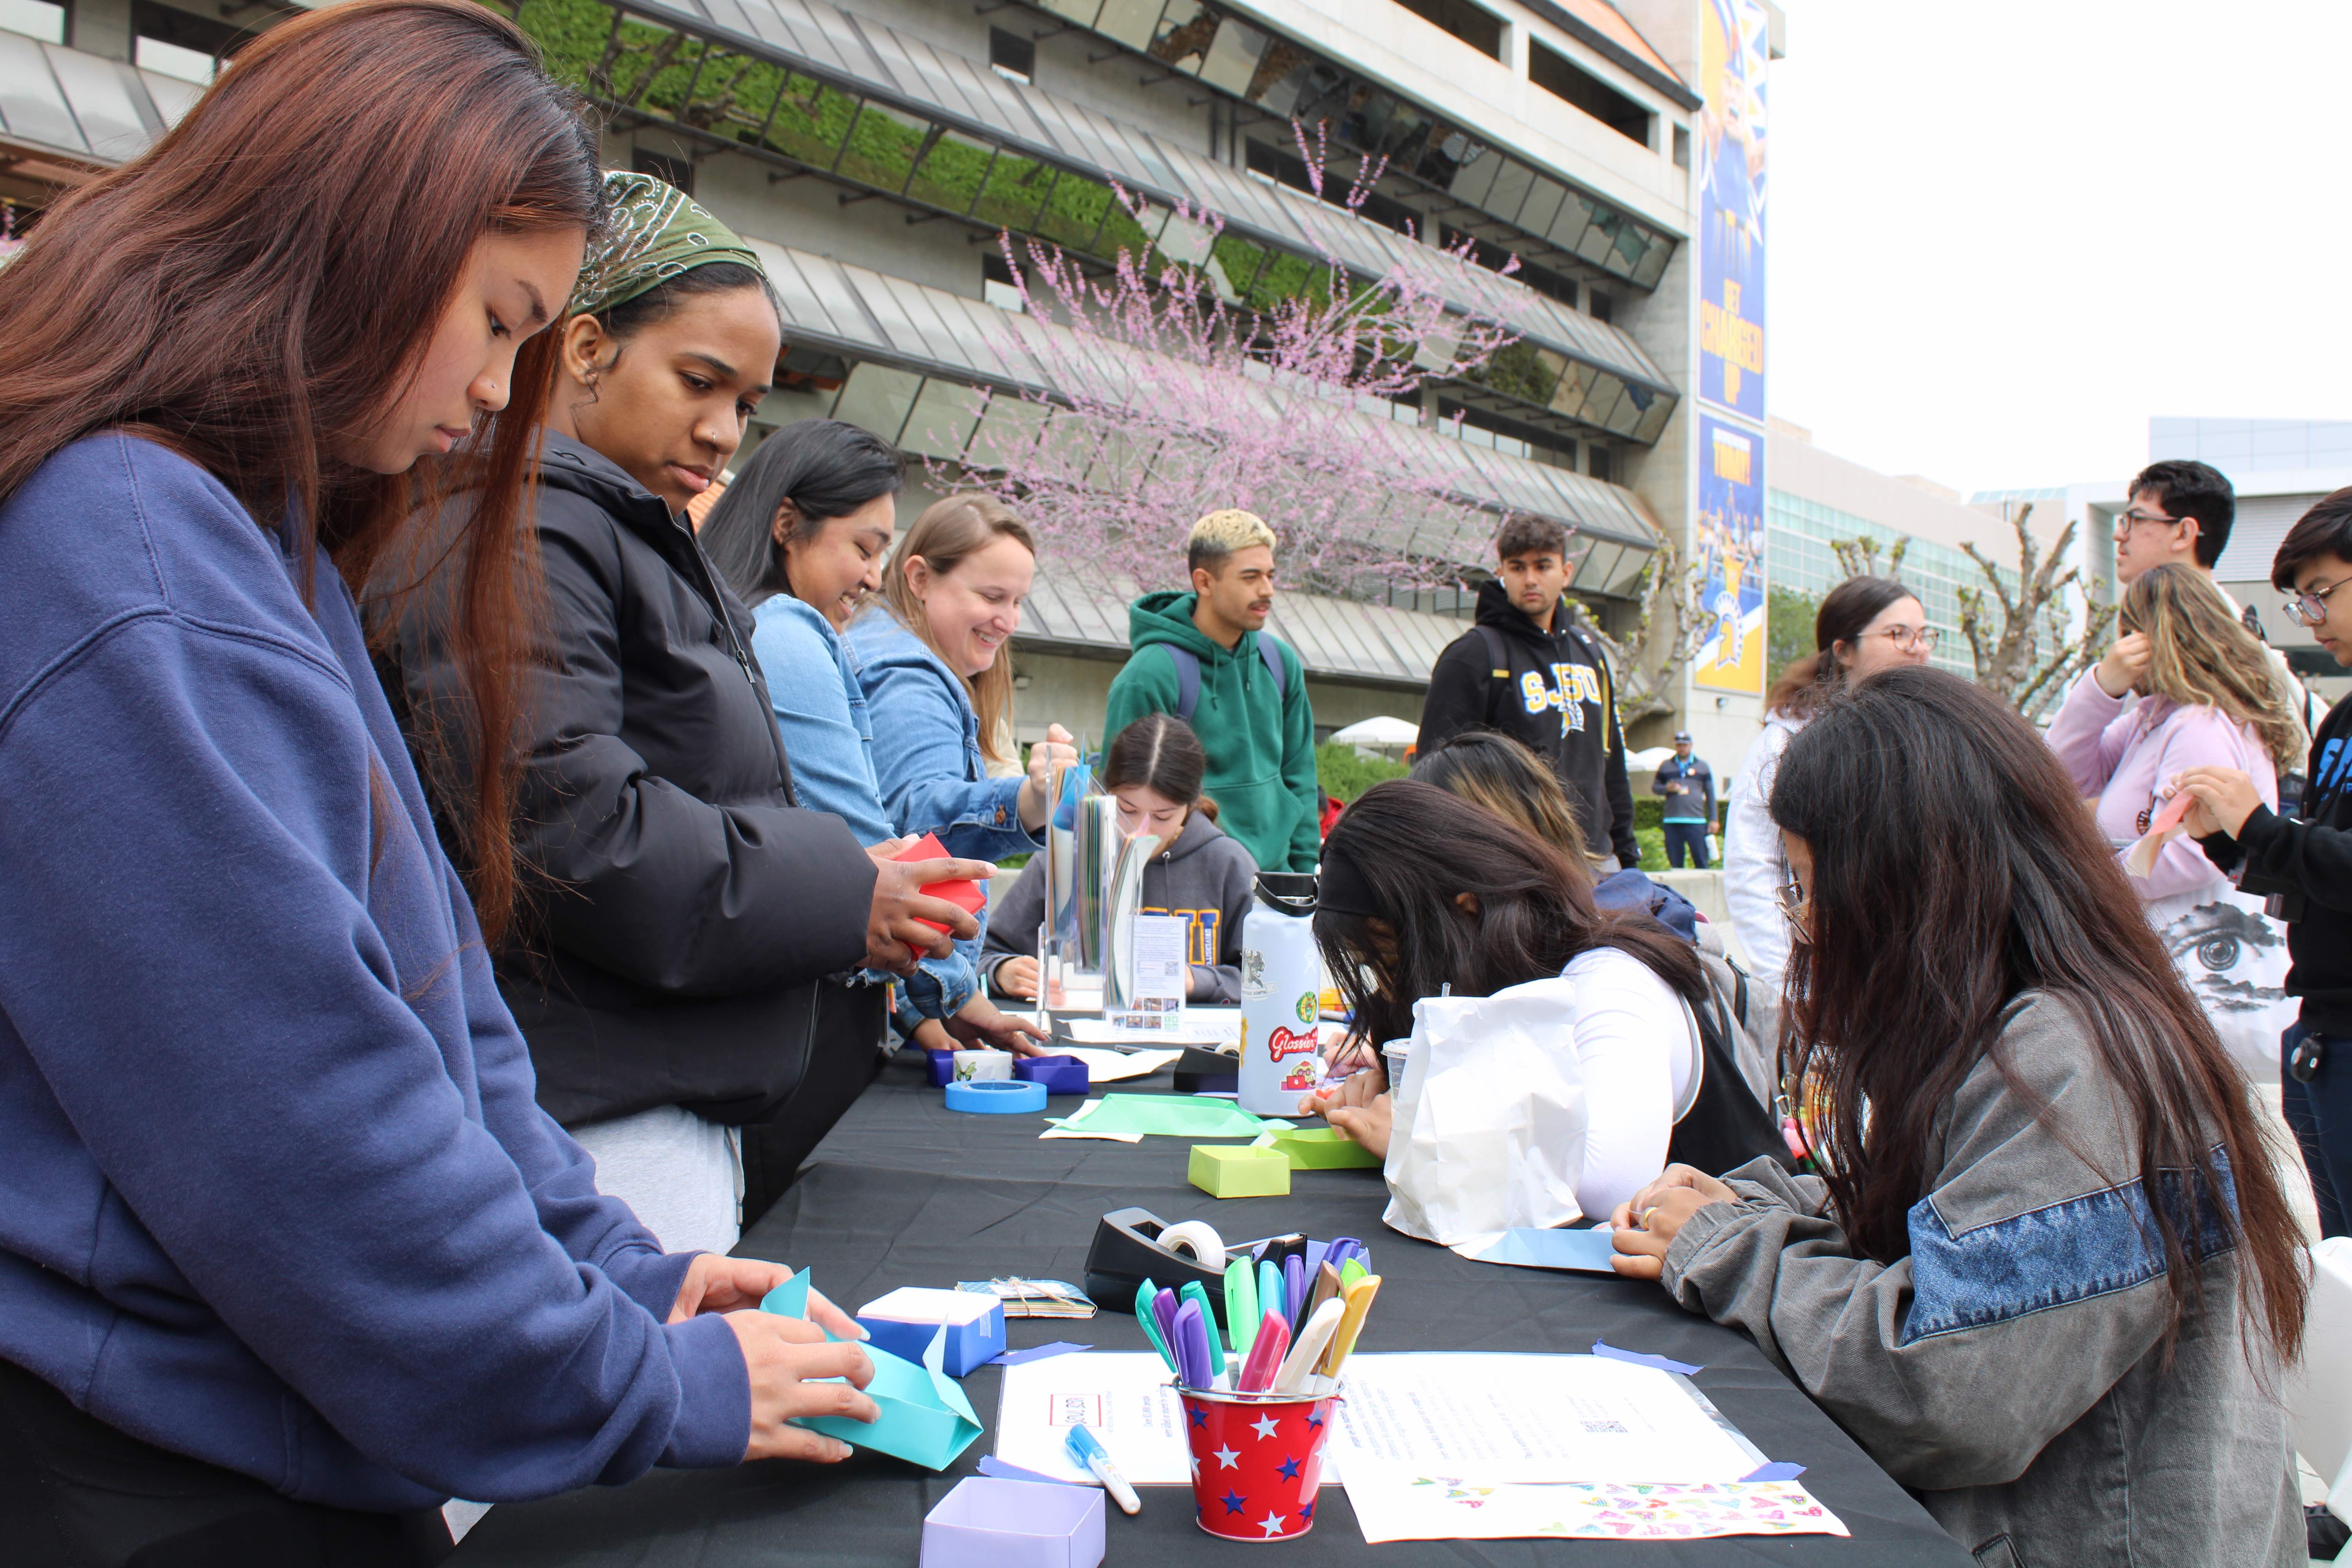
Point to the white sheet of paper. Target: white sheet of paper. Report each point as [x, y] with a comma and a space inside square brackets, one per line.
[1202, 1025]
[1109, 1067]
[1518, 1418]
[1406, 1505]
[913, 1304]
[1127, 1400]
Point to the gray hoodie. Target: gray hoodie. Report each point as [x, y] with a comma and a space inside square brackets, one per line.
[2008, 1370]
[1206, 875]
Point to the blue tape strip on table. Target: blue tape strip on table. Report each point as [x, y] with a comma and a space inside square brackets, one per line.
[1777, 1470]
[1000, 1097]
[1663, 1364]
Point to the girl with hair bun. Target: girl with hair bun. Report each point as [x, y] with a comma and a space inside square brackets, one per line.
[1153, 767]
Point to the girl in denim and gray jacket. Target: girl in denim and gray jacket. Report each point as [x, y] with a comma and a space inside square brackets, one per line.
[2049, 1278]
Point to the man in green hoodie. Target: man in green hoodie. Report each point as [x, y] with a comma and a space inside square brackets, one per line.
[1203, 657]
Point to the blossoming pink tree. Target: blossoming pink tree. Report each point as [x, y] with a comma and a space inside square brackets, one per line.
[1168, 400]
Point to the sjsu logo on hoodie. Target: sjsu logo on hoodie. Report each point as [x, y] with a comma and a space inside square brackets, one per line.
[1574, 686]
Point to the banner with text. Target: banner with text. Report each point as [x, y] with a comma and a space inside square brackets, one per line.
[1732, 50]
[1730, 553]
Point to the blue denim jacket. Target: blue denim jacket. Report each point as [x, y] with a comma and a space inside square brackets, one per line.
[928, 758]
[828, 732]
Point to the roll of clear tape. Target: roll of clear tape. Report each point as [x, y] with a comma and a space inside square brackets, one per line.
[1198, 1238]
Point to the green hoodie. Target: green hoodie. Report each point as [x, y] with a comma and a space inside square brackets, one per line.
[1261, 745]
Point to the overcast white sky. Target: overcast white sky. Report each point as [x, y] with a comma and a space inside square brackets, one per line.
[2004, 233]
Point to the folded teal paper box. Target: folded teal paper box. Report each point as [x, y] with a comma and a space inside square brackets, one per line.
[925, 1420]
[903, 1322]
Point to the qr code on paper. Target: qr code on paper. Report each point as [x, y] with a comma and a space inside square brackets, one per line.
[1077, 1410]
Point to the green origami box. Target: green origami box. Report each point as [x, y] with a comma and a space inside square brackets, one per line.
[926, 1419]
[1322, 1149]
[1240, 1170]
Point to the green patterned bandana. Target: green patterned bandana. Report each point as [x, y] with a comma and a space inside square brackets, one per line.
[654, 233]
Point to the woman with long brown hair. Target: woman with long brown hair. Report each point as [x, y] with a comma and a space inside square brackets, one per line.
[935, 658]
[290, 1254]
[2051, 1274]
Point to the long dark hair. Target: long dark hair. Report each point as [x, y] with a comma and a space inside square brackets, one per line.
[826, 469]
[1811, 680]
[267, 278]
[1413, 847]
[1489, 768]
[1953, 870]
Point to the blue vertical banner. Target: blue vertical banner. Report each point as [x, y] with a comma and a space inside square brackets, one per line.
[1729, 548]
[1733, 51]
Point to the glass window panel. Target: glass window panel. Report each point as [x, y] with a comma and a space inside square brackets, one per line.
[1608, 398]
[1628, 572]
[883, 146]
[1542, 206]
[1566, 230]
[1654, 262]
[1513, 179]
[1131, 22]
[943, 418]
[1238, 261]
[1598, 564]
[1182, 39]
[811, 122]
[879, 398]
[1574, 389]
[1653, 418]
[31, 104]
[1600, 241]
[1016, 188]
[734, 95]
[1074, 211]
[1009, 424]
[1233, 57]
[952, 171]
[1082, 12]
[1523, 371]
[1476, 177]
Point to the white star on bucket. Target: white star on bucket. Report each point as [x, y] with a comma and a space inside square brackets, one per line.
[1228, 1458]
[1271, 1524]
[1266, 1425]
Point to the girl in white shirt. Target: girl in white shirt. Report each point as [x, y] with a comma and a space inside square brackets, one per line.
[1422, 892]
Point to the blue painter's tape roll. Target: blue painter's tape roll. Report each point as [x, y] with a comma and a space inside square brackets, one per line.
[999, 1097]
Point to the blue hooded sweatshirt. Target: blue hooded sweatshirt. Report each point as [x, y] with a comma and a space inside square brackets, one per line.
[276, 1191]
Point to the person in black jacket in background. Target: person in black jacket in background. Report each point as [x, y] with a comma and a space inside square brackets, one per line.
[681, 912]
[2305, 862]
[1527, 670]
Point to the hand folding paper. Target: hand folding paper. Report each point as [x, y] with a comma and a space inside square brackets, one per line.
[925, 1420]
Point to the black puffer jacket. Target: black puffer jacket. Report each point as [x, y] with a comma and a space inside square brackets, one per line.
[680, 909]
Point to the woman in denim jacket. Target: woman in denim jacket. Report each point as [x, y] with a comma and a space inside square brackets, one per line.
[801, 536]
[934, 656]
[2049, 1276]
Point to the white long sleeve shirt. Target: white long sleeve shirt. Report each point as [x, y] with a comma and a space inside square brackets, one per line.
[1753, 869]
[1633, 1045]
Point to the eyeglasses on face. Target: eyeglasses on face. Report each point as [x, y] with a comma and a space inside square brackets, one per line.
[1909, 638]
[2133, 516]
[2311, 608]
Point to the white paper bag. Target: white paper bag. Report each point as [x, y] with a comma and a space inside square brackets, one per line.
[1491, 1135]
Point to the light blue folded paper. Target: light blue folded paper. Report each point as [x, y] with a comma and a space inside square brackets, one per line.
[1588, 1251]
[925, 1420]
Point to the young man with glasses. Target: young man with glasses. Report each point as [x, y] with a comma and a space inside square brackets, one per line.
[2180, 514]
[2307, 864]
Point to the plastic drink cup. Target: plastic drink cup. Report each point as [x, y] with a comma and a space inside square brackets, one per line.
[1395, 1057]
[1257, 1458]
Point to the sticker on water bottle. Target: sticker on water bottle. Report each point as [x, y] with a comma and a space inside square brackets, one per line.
[1252, 972]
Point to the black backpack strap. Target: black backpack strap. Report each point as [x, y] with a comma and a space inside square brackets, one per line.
[1188, 679]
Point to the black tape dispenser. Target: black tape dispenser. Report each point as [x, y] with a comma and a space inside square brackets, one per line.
[1131, 1246]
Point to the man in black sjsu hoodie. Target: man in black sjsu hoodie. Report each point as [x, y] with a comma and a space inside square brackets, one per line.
[2305, 865]
[1526, 672]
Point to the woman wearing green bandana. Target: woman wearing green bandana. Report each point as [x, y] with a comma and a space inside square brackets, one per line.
[681, 912]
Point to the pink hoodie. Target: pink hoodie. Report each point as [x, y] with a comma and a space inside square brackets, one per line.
[2126, 750]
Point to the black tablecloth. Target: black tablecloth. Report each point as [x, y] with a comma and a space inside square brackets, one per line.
[905, 1192]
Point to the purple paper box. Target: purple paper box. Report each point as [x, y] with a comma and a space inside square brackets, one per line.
[1060, 1075]
[987, 1523]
